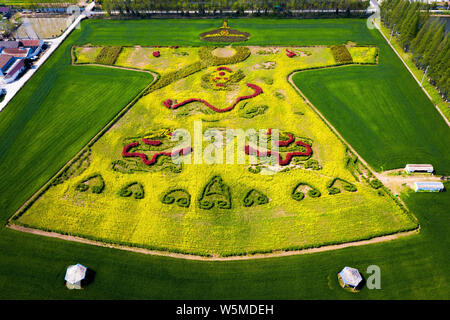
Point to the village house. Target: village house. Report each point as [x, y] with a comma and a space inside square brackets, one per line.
[5, 63]
[14, 71]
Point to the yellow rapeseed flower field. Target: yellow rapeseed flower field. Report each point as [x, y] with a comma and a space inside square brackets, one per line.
[281, 224]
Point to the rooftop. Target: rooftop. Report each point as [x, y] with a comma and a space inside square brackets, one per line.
[19, 65]
[9, 44]
[31, 42]
[4, 59]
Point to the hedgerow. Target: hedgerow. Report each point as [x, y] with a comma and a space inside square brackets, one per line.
[215, 193]
[108, 55]
[180, 197]
[312, 164]
[96, 188]
[254, 197]
[133, 188]
[299, 195]
[345, 184]
[341, 54]
[250, 112]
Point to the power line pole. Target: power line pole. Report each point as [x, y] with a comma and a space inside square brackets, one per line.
[392, 32]
[424, 75]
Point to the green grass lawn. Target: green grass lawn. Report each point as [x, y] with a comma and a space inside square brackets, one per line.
[34, 267]
[381, 111]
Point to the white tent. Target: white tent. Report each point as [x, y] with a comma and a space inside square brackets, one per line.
[74, 275]
[350, 277]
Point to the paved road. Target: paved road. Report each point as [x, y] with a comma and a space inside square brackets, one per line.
[14, 87]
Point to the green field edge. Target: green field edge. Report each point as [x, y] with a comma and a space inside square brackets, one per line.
[431, 90]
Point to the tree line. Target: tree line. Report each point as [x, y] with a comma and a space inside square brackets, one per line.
[239, 7]
[424, 36]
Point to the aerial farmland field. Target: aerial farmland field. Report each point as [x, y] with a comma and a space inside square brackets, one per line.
[86, 153]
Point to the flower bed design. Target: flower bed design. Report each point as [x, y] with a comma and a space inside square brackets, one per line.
[347, 186]
[300, 195]
[215, 193]
[249, 150]
[156, 54]
[94, 182]
[180, 197]
[290, 53]
[224, 34]
[134, 188]
[143, 156]
[254, 197]
[249, 112]
[222, 78]
[170, 104]
[149, 152]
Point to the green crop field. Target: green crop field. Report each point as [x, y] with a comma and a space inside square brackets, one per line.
[381, 112]
[33, 266]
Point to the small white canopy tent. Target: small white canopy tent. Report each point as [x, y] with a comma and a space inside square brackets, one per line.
[350, 277]
[74, 275]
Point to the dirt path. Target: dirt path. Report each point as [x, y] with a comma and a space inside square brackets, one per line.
[213, 258]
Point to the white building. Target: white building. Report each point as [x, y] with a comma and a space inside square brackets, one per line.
[419, 168]
[429, 186]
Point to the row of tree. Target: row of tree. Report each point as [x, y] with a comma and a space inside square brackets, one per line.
[262, 7]
[424, 36]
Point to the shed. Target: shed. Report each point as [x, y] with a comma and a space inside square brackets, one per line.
[74, 275]
[429, 186]
[9, 44]
[419, 168]
[5, 63]
[350, 277]
[19, 53]
[14, 71]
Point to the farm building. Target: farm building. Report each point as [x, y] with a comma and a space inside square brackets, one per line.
[8, 44]
[349, 278]
[34, 46]
[74, 275]
[429, 186]
[19, 53]
[419, 168]
[13, 72]
[5, 63]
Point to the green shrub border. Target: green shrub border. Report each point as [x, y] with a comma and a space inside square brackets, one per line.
[261, 198]
[167, 198]
[126, 192]
[299, 195]
[348, 186]
[82, 186]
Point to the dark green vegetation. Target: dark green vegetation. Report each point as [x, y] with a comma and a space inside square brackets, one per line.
[341, 54]
[267, 7]
[424, 36]
[108, 55]
[380, 111]
[42, 128]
